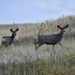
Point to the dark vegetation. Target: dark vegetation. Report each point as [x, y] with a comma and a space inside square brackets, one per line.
[61, 66]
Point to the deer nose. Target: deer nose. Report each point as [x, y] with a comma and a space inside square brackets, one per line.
[15, 34]
[63, 31]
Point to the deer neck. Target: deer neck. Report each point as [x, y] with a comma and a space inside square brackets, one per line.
[61, 34]
[12, 37]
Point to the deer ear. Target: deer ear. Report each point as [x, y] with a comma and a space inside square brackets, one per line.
[59, 27]
[17, 29]
[11, 30]
[66, 26]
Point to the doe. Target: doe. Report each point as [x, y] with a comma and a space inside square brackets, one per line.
[50, 39]
[7, 40]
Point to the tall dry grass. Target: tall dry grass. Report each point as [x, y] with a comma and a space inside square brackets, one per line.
[20, 50]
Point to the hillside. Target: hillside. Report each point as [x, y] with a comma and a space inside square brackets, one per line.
[21, 58]
[23, 44]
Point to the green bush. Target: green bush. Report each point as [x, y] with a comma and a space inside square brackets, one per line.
[24, 40]
[65, 66]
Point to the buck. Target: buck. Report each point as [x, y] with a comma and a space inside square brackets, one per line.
[50, 39]
[7, 40]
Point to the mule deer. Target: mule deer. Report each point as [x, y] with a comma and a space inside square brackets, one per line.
[7, 40]
[50, 39]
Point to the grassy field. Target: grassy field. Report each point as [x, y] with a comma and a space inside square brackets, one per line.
[22, 56]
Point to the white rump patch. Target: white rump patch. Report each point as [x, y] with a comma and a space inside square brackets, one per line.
[36, 38]
[3, 40]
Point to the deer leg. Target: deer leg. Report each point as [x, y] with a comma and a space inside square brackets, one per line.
[53, 47]
[35, 47]
[53, 52]
[4, 44]
[38, 46]
[60, 44]
[35, 43]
